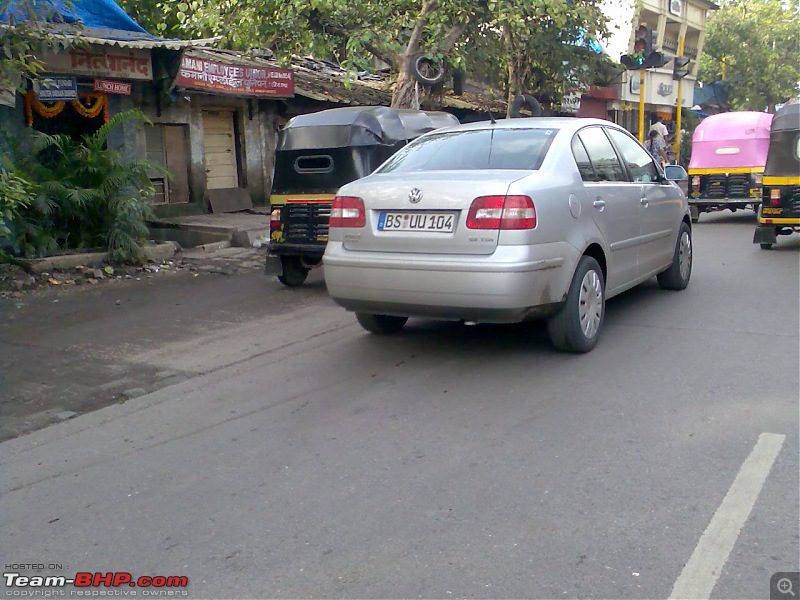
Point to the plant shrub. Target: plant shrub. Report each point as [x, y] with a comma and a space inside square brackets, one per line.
[76, 194]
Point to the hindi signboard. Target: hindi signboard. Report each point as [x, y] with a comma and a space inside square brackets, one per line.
[236, 79]
[114, 63]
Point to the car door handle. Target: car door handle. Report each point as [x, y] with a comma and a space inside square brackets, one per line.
[645, 202]
[599, 204]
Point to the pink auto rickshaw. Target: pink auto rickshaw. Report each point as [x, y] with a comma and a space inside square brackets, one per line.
[729, 151]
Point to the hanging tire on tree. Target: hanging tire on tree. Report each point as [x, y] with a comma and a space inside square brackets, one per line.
[427, 69]
[525, 100]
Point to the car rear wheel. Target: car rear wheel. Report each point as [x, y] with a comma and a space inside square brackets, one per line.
[576, 326]
[381, 324]
[678, 274]
[294, 271]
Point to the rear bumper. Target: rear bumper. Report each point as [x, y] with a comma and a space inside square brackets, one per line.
[779, 221]
[513, 284]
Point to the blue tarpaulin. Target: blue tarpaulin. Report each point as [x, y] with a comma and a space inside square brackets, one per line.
[101, 14]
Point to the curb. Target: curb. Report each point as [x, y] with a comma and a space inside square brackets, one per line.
[155, 253]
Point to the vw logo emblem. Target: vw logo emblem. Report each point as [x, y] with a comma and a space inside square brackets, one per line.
[415, 195]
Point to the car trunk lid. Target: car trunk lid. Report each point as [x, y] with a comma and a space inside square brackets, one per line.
[425, 212]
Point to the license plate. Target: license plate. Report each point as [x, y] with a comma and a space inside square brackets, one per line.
[417, 221]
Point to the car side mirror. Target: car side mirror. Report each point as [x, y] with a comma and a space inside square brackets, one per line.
[675, 173]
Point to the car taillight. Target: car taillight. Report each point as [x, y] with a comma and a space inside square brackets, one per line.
[275, 220]
[775, 196]
[501, 212]
[348, 211]
[695, 182]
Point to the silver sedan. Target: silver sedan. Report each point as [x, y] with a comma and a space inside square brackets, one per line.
[506, 221]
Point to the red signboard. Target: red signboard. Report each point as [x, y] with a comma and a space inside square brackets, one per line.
[236, 79]
[112, 87]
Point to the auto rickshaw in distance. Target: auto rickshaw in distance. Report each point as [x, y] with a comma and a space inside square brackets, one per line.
[780, 204]
[729, 151]
[317, 153]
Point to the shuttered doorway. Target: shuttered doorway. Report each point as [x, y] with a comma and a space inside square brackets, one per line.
[220, 150]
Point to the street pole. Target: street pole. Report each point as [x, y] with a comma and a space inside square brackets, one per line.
[641, 106]
[676, 146]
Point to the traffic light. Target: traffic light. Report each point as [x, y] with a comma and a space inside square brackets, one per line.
[632, 62]
[644, 55]
[682, 67]
[654, 60]
[644, 41]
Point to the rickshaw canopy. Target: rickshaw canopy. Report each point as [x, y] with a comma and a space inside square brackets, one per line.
[784, 152]
[359, 126]
[731, 140]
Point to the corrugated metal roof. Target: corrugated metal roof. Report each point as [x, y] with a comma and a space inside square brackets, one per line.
[129, 39]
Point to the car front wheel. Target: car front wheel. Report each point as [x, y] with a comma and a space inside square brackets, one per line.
[381, 324]
[678, 274]
[576, 326]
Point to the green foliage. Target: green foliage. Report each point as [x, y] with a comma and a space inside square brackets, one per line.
[75, 194]
[24, 38]
[759, 41]
[465, 34]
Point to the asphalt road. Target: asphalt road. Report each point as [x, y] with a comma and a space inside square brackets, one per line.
[295, 456]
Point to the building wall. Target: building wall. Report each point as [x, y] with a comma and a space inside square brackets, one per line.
[256, 133]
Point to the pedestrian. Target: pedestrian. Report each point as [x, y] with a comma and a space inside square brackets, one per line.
[660, 128]
[655, 146]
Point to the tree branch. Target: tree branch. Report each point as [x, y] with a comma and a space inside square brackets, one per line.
[416, 34]
[452, 36]
[382, 52]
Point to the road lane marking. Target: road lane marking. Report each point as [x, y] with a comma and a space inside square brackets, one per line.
[699, 576]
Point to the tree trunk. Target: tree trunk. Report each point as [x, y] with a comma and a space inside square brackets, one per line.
[514, 77]
[407, 91]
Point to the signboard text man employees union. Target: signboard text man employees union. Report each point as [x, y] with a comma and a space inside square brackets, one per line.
[231, 78]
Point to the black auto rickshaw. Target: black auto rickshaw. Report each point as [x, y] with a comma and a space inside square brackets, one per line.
[780, 203]
[318, 153]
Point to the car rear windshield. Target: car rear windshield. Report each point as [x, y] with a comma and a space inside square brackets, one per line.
[478, 149]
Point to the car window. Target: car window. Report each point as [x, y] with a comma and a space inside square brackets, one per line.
[602, 155]
[582, 160]
[638, 159]
[470, 150]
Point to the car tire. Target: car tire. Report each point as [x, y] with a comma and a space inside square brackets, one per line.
[576, 326]
[381, 324]
[680, 271]
[426, 69]
[294, 271]
[524, 100]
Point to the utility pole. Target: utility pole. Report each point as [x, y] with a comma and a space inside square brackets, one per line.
[641, 106]
[676, 147]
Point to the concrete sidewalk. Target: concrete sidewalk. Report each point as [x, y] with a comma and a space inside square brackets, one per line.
[240, 229]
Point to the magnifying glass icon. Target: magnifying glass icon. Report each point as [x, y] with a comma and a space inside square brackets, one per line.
[784, 586]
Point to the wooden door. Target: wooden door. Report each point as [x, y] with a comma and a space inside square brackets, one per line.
[167, 148]
[176, 153]
[220, 150]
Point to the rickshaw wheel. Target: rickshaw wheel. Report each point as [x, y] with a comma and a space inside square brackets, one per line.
[294, 273]
[766, 246]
